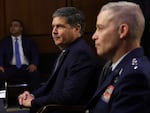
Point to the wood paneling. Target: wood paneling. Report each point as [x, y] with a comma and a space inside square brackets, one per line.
[36, 14]
[2, 18]
[45, 44]
[90, 9]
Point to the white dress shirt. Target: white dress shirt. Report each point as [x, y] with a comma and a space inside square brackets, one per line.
[23, 59]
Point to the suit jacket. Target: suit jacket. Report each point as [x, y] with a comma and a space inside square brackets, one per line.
[126, 89]
[6, 51]
[74, 82]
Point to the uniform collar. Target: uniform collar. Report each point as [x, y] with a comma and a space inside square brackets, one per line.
[114, 65]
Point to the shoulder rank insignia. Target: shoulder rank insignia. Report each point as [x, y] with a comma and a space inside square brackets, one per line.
[134, 63]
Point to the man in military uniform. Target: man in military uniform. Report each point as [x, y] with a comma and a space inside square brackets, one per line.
[126, 89]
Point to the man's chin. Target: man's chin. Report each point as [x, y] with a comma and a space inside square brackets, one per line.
[100, 54]
[57, 43]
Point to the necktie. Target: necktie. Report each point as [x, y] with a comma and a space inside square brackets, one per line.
[105, 71]
[58, 60]
[17, 54]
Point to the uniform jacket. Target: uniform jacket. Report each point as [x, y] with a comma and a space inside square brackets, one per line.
[74, 82]
[126, 89]
[6, 51]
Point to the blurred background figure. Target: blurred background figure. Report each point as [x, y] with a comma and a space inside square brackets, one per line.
[18, 58]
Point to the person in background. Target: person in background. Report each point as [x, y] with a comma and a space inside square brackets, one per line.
[126, 89]
[18, 58]
[74, 79]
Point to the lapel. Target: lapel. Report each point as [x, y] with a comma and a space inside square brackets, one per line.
[54, 74]
[105, 83]
[101, 89]
[10, 42]
[9, 46]
[24, 44]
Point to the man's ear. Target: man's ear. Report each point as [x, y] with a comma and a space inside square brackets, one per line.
[123, 30]
[78, 27]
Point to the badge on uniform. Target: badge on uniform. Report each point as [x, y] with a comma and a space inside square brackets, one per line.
[135, 63]
[107, 94]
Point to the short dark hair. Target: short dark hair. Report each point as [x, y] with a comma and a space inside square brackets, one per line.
[73, 16]
[18, 20]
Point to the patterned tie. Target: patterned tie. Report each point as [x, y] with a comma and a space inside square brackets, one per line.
[17, 54]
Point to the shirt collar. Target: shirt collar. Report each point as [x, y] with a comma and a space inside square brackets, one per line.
[114, 65]
[18, 37]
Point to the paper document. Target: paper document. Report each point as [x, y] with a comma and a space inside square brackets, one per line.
[2, 93]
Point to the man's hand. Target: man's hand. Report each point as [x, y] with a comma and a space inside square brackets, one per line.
[25, 99]
[32, 68]
[2, 69]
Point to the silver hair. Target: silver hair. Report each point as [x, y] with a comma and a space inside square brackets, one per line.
[129, 13]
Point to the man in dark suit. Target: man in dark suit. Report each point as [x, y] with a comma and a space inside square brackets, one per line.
[126, 89]
[28, 58]
[73, 81]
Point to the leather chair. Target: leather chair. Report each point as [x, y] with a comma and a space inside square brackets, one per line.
[63, 108]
